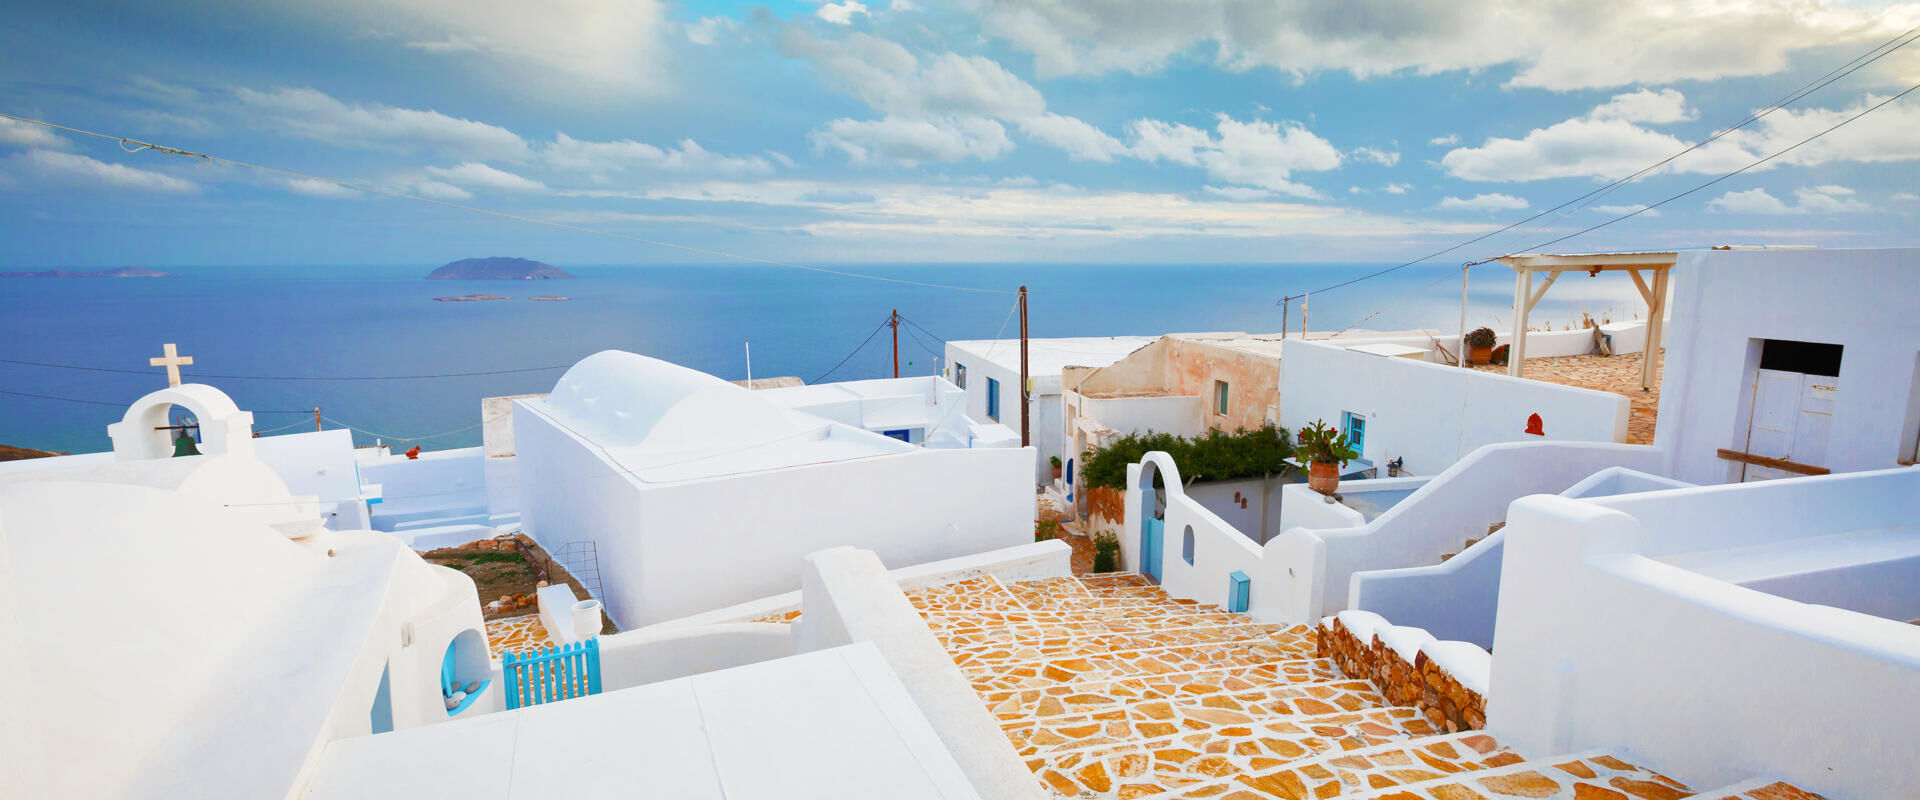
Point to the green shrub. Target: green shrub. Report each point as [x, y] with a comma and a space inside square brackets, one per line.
[1046, 530]
[1212, 456]
[1106, 553]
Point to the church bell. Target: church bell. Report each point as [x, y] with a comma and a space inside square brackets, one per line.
[183, 446]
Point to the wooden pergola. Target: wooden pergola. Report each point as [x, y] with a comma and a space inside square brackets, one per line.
[1526, 296]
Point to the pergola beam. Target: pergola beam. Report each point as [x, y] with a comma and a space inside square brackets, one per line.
[1525, 297]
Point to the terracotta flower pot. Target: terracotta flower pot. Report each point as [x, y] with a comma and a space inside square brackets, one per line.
[1479, 355]
[1323, 477]
[1056, 473]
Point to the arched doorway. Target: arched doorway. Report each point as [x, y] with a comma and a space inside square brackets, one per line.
[1153, 519]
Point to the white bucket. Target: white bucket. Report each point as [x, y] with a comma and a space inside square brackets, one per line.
[586, 619]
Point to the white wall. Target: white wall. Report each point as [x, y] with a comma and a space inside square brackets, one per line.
[675, 549]
[1863, 300]
[1433, 415]
[1218, 497]
[1179, 415]
[1219, 548]
[1044, 416]
[1603, 646]
[438, 481]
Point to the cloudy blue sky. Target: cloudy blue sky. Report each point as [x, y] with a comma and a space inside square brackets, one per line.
[1179, 131]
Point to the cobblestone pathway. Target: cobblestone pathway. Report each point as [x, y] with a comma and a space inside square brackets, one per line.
[1111, 689]
[516, 634]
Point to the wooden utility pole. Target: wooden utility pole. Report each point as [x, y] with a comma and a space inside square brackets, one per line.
[1026, 437]
[316, 418]
[894, 323]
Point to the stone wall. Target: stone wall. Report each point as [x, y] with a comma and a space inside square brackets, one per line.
[1422, 684]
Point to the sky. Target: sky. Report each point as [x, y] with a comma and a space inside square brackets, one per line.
[1138, 131]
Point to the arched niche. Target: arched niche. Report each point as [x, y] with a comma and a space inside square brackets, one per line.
[224, 428]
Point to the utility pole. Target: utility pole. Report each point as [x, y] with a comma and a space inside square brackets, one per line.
[1285, 307]
[894, 323]
[1026, 437]
[1461, 362]
[316, 418]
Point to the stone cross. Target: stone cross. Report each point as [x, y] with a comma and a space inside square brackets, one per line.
[173, 361]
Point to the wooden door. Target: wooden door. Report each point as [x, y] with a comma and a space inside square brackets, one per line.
[1792, 416]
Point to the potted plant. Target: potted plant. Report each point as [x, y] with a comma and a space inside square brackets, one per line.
[1325, 451]
[1056, 467]
[1479, 345]
[1106, 553]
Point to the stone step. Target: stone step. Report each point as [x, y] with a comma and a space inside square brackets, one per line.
[1759, 789]
[977, 636]
[1211, 753]
[1040, 647]
[1084, 666]
[1379, 767]
[1006, 703]
[1592, 775]
[1164, 715]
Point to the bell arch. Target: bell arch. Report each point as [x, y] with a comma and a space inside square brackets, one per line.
[224, 428]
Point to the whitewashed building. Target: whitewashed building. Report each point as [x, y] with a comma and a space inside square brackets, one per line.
[697, 494]
[988, 370]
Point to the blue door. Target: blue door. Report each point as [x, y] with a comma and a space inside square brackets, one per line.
[1151, 533]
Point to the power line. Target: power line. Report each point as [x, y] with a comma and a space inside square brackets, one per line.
[923, 345]
[1777, 154]
[135, 146]
[289, 377]
[382, 436]
[124, 405]
[856, 351]
[923, 330]
[1790, 98]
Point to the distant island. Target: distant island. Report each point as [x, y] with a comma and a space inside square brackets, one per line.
[118, 272]
[469, 298]
[498, 268]
[550, 297]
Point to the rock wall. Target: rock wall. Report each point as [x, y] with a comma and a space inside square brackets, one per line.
[1423, 684]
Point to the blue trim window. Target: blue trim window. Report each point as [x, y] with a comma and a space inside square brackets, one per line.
[959, 374]
[993, 399]
[1355, 426]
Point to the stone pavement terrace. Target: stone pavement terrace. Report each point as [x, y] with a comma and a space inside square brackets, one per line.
[1111, 689]
[1617, 374]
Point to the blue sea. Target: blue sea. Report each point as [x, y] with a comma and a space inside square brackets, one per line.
[352, 321]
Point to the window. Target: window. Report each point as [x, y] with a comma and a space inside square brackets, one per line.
[993, 399]
[1220, 397]
[1186, 545]
[959, 374]
[902, 434]
[1355, 426]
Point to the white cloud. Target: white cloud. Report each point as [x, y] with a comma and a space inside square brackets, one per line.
[908, 141]
[1906, 196]
[1812, 200]
[841, 13]
[1154, 140]
[1254, 153]
[606, 43]
[313, 188]
[1385, 158]
[1589, 146]
[315, 115]
[475, 175]
[1396, 188]
[1666, 105]
[1080, 141]
[1239, 194]
[710, 29]
[1448, 140]
[1751, 201]
[892, 80]
[1483, 202]
[78, 170]
[601, 160]
[1615, 211]
[1552, 44]
[22, 134]
[435, 189]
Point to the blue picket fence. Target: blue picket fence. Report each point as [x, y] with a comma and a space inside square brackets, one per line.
[551, 674]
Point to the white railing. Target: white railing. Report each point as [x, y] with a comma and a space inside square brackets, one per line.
[1603, 645]
[1306, 574]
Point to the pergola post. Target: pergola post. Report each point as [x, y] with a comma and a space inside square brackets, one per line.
[1522, 303]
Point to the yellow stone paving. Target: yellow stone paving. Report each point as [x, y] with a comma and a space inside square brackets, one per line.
[516, 634]
[1110, 689]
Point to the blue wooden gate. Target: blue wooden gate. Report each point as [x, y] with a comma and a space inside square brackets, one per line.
[1151, 534]
[550, 674]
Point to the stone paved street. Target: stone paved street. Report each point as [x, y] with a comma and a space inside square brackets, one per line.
[516, 634]
[1616, 374]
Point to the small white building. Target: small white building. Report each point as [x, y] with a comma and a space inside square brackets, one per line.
[988, 370]
[697, 494]
[927, 411]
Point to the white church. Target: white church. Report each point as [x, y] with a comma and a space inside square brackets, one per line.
[835, 593]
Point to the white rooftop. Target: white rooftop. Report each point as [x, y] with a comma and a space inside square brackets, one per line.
[661, 422]
[827, 724]
[1053, 356]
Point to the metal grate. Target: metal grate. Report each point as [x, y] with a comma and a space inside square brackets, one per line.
[582, 561]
